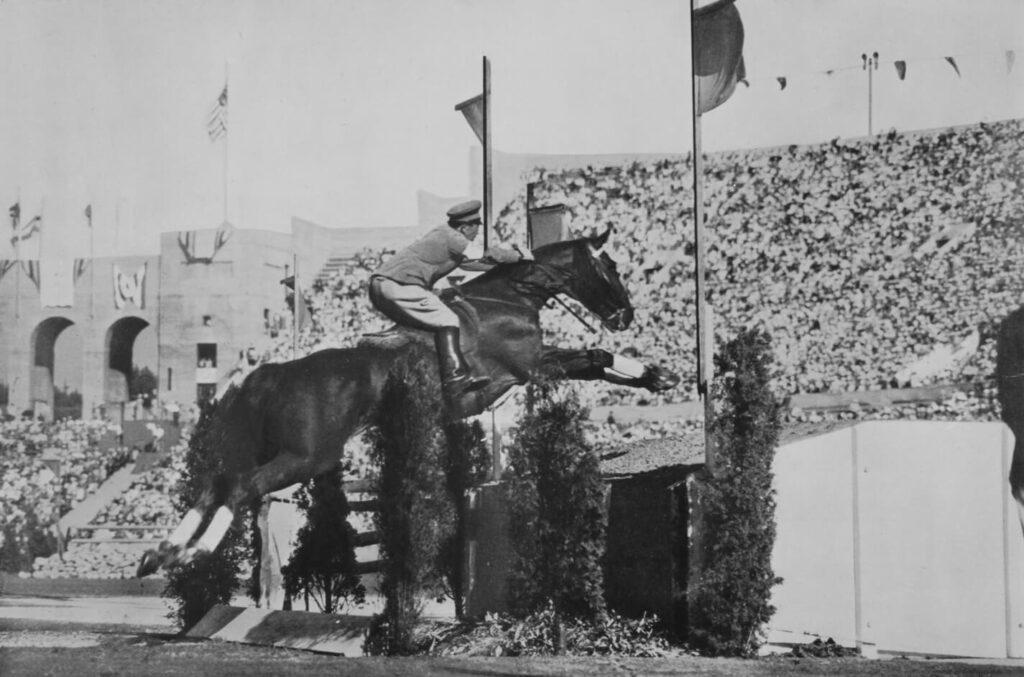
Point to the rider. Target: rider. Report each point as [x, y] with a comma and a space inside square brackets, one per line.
[401, 289]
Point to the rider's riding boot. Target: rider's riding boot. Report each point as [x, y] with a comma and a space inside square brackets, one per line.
[455, 376]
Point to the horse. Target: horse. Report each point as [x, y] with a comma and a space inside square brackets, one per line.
[1010, 382]
[288, 422]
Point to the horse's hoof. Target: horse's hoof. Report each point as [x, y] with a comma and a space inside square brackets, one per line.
[656, 379]
[150, 564]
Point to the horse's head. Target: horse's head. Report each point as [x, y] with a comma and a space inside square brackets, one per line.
[588, 274]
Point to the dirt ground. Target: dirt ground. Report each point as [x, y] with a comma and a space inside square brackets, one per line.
[108, 630]
[66, 649]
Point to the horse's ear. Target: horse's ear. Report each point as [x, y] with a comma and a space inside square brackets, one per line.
[598, 241]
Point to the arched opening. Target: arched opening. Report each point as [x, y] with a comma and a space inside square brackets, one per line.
[67, 374]
[44, 341]
[120, 360]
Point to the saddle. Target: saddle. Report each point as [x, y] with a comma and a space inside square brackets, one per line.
[398, 336]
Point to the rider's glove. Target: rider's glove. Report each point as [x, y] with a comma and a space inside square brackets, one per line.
[500, 254]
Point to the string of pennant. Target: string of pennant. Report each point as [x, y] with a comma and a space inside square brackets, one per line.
[899, 65]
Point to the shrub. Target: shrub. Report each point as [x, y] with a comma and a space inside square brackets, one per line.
[323, 565]
[415, 515]
[556, 505]
[212, 578]
[730, 599]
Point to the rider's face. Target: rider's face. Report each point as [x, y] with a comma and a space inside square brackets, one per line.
[470, 230]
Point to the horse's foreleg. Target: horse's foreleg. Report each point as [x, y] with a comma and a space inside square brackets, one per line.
[170, 550]
[596, 364]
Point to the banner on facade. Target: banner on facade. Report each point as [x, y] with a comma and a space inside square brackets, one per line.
[129, 288]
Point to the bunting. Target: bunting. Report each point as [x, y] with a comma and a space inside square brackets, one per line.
[27, 230]
[189, 240]
[31, 269]
[6, 265]
[81, 265]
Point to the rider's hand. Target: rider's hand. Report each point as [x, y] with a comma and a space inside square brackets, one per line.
[500, 254]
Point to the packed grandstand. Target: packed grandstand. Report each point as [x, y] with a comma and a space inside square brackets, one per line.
[874, 264]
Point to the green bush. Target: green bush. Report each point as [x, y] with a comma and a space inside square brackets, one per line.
[730, 600]
[213, 578]
[322, 567]
[415, 516]
[556, 508]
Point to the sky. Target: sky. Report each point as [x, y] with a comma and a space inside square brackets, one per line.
[340, 110]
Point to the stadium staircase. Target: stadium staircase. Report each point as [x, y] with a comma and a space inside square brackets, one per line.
[333, 265]
[79, 520]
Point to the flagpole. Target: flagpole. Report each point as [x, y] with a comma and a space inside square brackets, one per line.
[295, 305]
[92, 266]
[226, 136]
[488, 188]
[870, 64]
[703, 378]
[16, 217]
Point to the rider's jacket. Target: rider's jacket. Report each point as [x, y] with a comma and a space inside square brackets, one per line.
[428, 259]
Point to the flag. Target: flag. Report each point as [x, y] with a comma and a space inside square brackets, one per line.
[782, 82]
[300, 307]
[901, 69]
[15, 211]
[952, 62]
[27, 230]
[473, 110]
[1010, 56]
[88, 213]
[718, 53]
[217, 125]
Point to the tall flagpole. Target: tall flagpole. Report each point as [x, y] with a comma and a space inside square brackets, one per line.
[488, 187]
[703, 378]
[92, 264]
[295, 305]
[226, 136]
[16, 221]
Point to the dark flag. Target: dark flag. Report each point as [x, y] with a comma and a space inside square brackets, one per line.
[473, 110]
[782, 82]
[901, 69]
[718, 53]
[952, 62]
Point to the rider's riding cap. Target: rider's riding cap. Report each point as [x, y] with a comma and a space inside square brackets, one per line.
[464, 213]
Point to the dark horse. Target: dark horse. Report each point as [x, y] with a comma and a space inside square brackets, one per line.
[289, 422]
[1010, 377]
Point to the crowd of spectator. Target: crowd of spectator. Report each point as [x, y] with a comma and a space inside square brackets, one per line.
[861, 258]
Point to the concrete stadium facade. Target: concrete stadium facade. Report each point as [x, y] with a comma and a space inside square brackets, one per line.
[208, 294]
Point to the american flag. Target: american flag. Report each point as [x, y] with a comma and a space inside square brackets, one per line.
[217, 125]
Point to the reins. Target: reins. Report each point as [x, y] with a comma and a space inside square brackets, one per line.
[550, 291]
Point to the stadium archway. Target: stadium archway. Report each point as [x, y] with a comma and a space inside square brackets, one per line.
[44, 339]
[120, 354]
